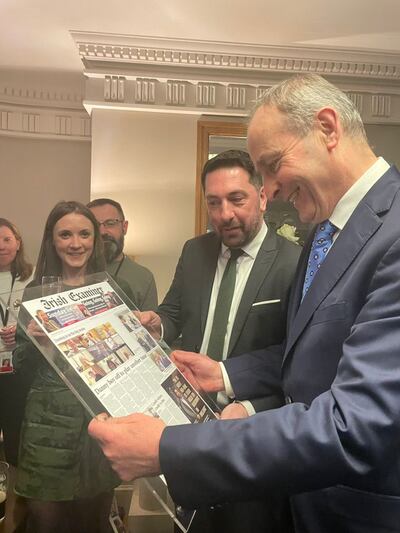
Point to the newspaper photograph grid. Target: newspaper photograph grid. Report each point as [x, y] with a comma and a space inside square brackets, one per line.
[117, 359]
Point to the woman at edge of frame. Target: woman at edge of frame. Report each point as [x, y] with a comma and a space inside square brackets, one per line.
[15, 274]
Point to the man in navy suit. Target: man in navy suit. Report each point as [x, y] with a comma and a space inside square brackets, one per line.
[334, 446]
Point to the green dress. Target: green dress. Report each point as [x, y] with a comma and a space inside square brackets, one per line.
[57, 458]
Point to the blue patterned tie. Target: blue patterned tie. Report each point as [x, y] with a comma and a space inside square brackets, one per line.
[320, 247]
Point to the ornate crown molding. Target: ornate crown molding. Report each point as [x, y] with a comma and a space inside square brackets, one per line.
[96, 49]
[191, 77]
[27, 121]
[203, 77]
[44, 97]
[36, 105]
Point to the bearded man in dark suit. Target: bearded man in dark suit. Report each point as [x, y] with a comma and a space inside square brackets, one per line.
[236, 204]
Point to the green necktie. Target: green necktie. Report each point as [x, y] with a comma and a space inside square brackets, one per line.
[223, 306]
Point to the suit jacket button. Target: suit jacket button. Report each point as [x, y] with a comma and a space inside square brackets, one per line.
[288, 399]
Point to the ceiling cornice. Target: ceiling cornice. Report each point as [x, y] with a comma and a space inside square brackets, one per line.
[186, 77]
[43, 105]
[98, 48]
[218, 78]
[44, 122]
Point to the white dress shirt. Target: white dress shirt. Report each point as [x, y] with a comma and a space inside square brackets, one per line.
[244, 264]
[350, 200]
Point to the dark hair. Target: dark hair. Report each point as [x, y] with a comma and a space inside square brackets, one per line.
[232, 159]
[20, 266]
[49, 263]
[105, 201]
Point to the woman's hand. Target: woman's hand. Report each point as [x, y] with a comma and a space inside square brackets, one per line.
[7, 335]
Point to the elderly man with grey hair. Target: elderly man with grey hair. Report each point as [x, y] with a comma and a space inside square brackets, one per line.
[334, 446]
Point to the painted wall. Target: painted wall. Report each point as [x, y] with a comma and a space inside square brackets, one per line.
[147, 162]
[35, 174]
[385, 141]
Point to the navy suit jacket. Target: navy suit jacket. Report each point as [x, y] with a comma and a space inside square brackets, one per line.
[335, 446]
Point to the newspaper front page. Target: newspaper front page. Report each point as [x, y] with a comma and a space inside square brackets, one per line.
[109, 351]
[93, 339]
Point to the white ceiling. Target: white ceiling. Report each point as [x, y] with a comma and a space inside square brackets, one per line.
[34, 34]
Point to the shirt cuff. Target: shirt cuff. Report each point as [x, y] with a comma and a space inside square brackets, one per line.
[248, 406]
[162, 332]
[227, 382]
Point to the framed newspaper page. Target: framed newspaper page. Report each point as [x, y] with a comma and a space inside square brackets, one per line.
[93, 339]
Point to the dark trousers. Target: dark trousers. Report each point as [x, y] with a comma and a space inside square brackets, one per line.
[271, 516]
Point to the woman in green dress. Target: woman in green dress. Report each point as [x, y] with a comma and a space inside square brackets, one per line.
[63, 474]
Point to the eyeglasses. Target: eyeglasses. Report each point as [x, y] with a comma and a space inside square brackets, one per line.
[110, 223]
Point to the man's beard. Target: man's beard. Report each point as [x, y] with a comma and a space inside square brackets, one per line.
[112, 247]
[244, 235]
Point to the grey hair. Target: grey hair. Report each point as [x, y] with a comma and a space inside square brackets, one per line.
[302, 96]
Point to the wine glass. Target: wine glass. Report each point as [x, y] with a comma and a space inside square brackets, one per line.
[51, 285]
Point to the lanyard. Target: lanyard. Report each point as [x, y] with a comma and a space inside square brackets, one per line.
[5, 313]
[119, 266]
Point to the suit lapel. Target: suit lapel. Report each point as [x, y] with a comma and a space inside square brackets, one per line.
[209, 268]
[362, 225]
[261, 267]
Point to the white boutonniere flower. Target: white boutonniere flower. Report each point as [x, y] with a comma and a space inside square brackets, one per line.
[288, 232]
